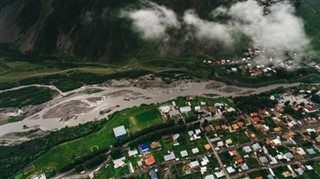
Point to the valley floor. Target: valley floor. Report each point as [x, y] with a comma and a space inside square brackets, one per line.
[84, 107]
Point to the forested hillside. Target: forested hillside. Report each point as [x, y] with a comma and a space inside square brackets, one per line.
[97, 30]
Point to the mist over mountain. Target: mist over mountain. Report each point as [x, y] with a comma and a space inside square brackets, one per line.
[117, 30]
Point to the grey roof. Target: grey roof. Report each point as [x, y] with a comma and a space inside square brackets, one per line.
[170, 156]
[270, 176]
[247, 149]
[299, 170]
[263, 160]
[119, 131]
[311, 151]
[256, 146]
[244, 166]
[215, 139]
[289, 155]
[174, 113]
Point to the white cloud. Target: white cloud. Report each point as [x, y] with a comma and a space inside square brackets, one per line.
[277, 31]
[208, 30]
[154, 21]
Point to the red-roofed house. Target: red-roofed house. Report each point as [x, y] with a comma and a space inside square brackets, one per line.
[256, 119]
[254, 114]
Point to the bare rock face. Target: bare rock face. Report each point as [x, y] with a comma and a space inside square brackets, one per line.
[9, 31]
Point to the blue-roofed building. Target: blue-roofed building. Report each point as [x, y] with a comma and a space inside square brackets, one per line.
[144, 147]
[153, 174]
[277, 96]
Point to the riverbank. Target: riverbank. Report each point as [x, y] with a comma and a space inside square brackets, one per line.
[74, 107]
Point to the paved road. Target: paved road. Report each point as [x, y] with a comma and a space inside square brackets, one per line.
[218, 158]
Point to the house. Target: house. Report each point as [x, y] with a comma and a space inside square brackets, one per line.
[204, 161]
[256, 146]
[170, 156]
[194, 164]
[209, 176]
[235, 127]
[203, 170]
[247, 149]
[230, 169]
[299, 171]
[273, 160]
[207, 146]
[220, 173]
[174, 114]
[42, 176]
[244, 166]
[209, 129]
[254, 114]
[263, 160]
[218, 128]
[270, 176]
[256, 119]
[220, 144]
[153, 174]
[229, 141]
[119, 162]
[290, 134]
[277, 129]
[184, 153]
[276, 141]
[224, 126]
[212, 109]
[185, 109]
[311, 151]
[300, 151]
[119, 131]
[289, 155]
[164, 109]
[195, 150]
[132, 152]
[215, 139]
[150, 160]
[310, 108]
[144, 147]
[154, 145]
[309, 167]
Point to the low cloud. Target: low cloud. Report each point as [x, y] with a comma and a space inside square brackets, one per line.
[208, 30]
[154, 21]
[276, 31]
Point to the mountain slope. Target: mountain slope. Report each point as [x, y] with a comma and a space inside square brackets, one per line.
[97, 31]
[87, 29]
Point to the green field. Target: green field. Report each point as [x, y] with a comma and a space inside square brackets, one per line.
[144, 117]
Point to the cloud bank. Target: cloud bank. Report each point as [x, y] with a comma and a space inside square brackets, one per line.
[276, 31]
[279, 30]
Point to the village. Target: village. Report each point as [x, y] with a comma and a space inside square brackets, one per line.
[257, 63]
[221, 141]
